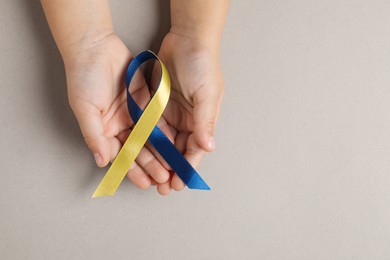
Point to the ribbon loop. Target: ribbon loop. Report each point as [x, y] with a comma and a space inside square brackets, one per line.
[146, 129]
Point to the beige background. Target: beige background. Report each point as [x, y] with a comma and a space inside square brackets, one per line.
[302, 169]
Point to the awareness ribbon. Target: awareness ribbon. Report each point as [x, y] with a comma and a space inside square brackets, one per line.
[146, 129]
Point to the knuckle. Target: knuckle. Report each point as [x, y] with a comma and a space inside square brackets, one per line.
[193, 152]
[150, 164]
[91, 142]
[210, 123]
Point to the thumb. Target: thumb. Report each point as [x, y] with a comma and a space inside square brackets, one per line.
[206, 112]
[91, 126]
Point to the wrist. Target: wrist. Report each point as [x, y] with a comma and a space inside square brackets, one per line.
[206, 37]
[82, 45]
[77, 24]
[183, 47]
[199, 20]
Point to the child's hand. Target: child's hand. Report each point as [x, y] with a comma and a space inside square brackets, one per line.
[97, 96]
[196, 95]
[95, 61]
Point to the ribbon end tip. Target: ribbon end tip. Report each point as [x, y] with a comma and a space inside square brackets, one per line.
[100, 194]
[203, 187]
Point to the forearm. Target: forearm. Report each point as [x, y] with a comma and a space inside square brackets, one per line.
[201, 20]
[77, 24]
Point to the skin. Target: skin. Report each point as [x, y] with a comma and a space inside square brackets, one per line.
[95, 62]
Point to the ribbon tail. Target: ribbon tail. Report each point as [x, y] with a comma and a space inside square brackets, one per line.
[176, 160]
[197, 183]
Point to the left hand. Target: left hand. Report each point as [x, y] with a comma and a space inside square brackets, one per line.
[196, 96]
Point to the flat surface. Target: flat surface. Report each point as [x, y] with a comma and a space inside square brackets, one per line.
[302, 169]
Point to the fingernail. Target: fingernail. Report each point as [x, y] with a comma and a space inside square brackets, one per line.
[98, 159]
[211, 143]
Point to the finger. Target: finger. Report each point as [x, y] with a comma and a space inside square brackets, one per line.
[206, 110]
[181, 141]
[149, 163]
[115, 146]
[177, 184]
[119, 121]
[164, 188]
[194, 155]
[122, 136]
[137, 176]
[91, 125]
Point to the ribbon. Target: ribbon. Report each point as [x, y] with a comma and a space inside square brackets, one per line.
[145, 129]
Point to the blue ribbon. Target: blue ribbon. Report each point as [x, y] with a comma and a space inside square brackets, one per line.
[157, 138]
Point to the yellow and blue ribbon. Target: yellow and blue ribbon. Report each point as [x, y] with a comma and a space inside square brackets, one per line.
[146, 129]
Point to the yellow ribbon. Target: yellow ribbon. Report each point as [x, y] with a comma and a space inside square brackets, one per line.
[137, 137]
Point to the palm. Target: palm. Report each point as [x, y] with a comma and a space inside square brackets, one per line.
[96, 80]
[188, 72]
[193, 74]
[97, 94]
